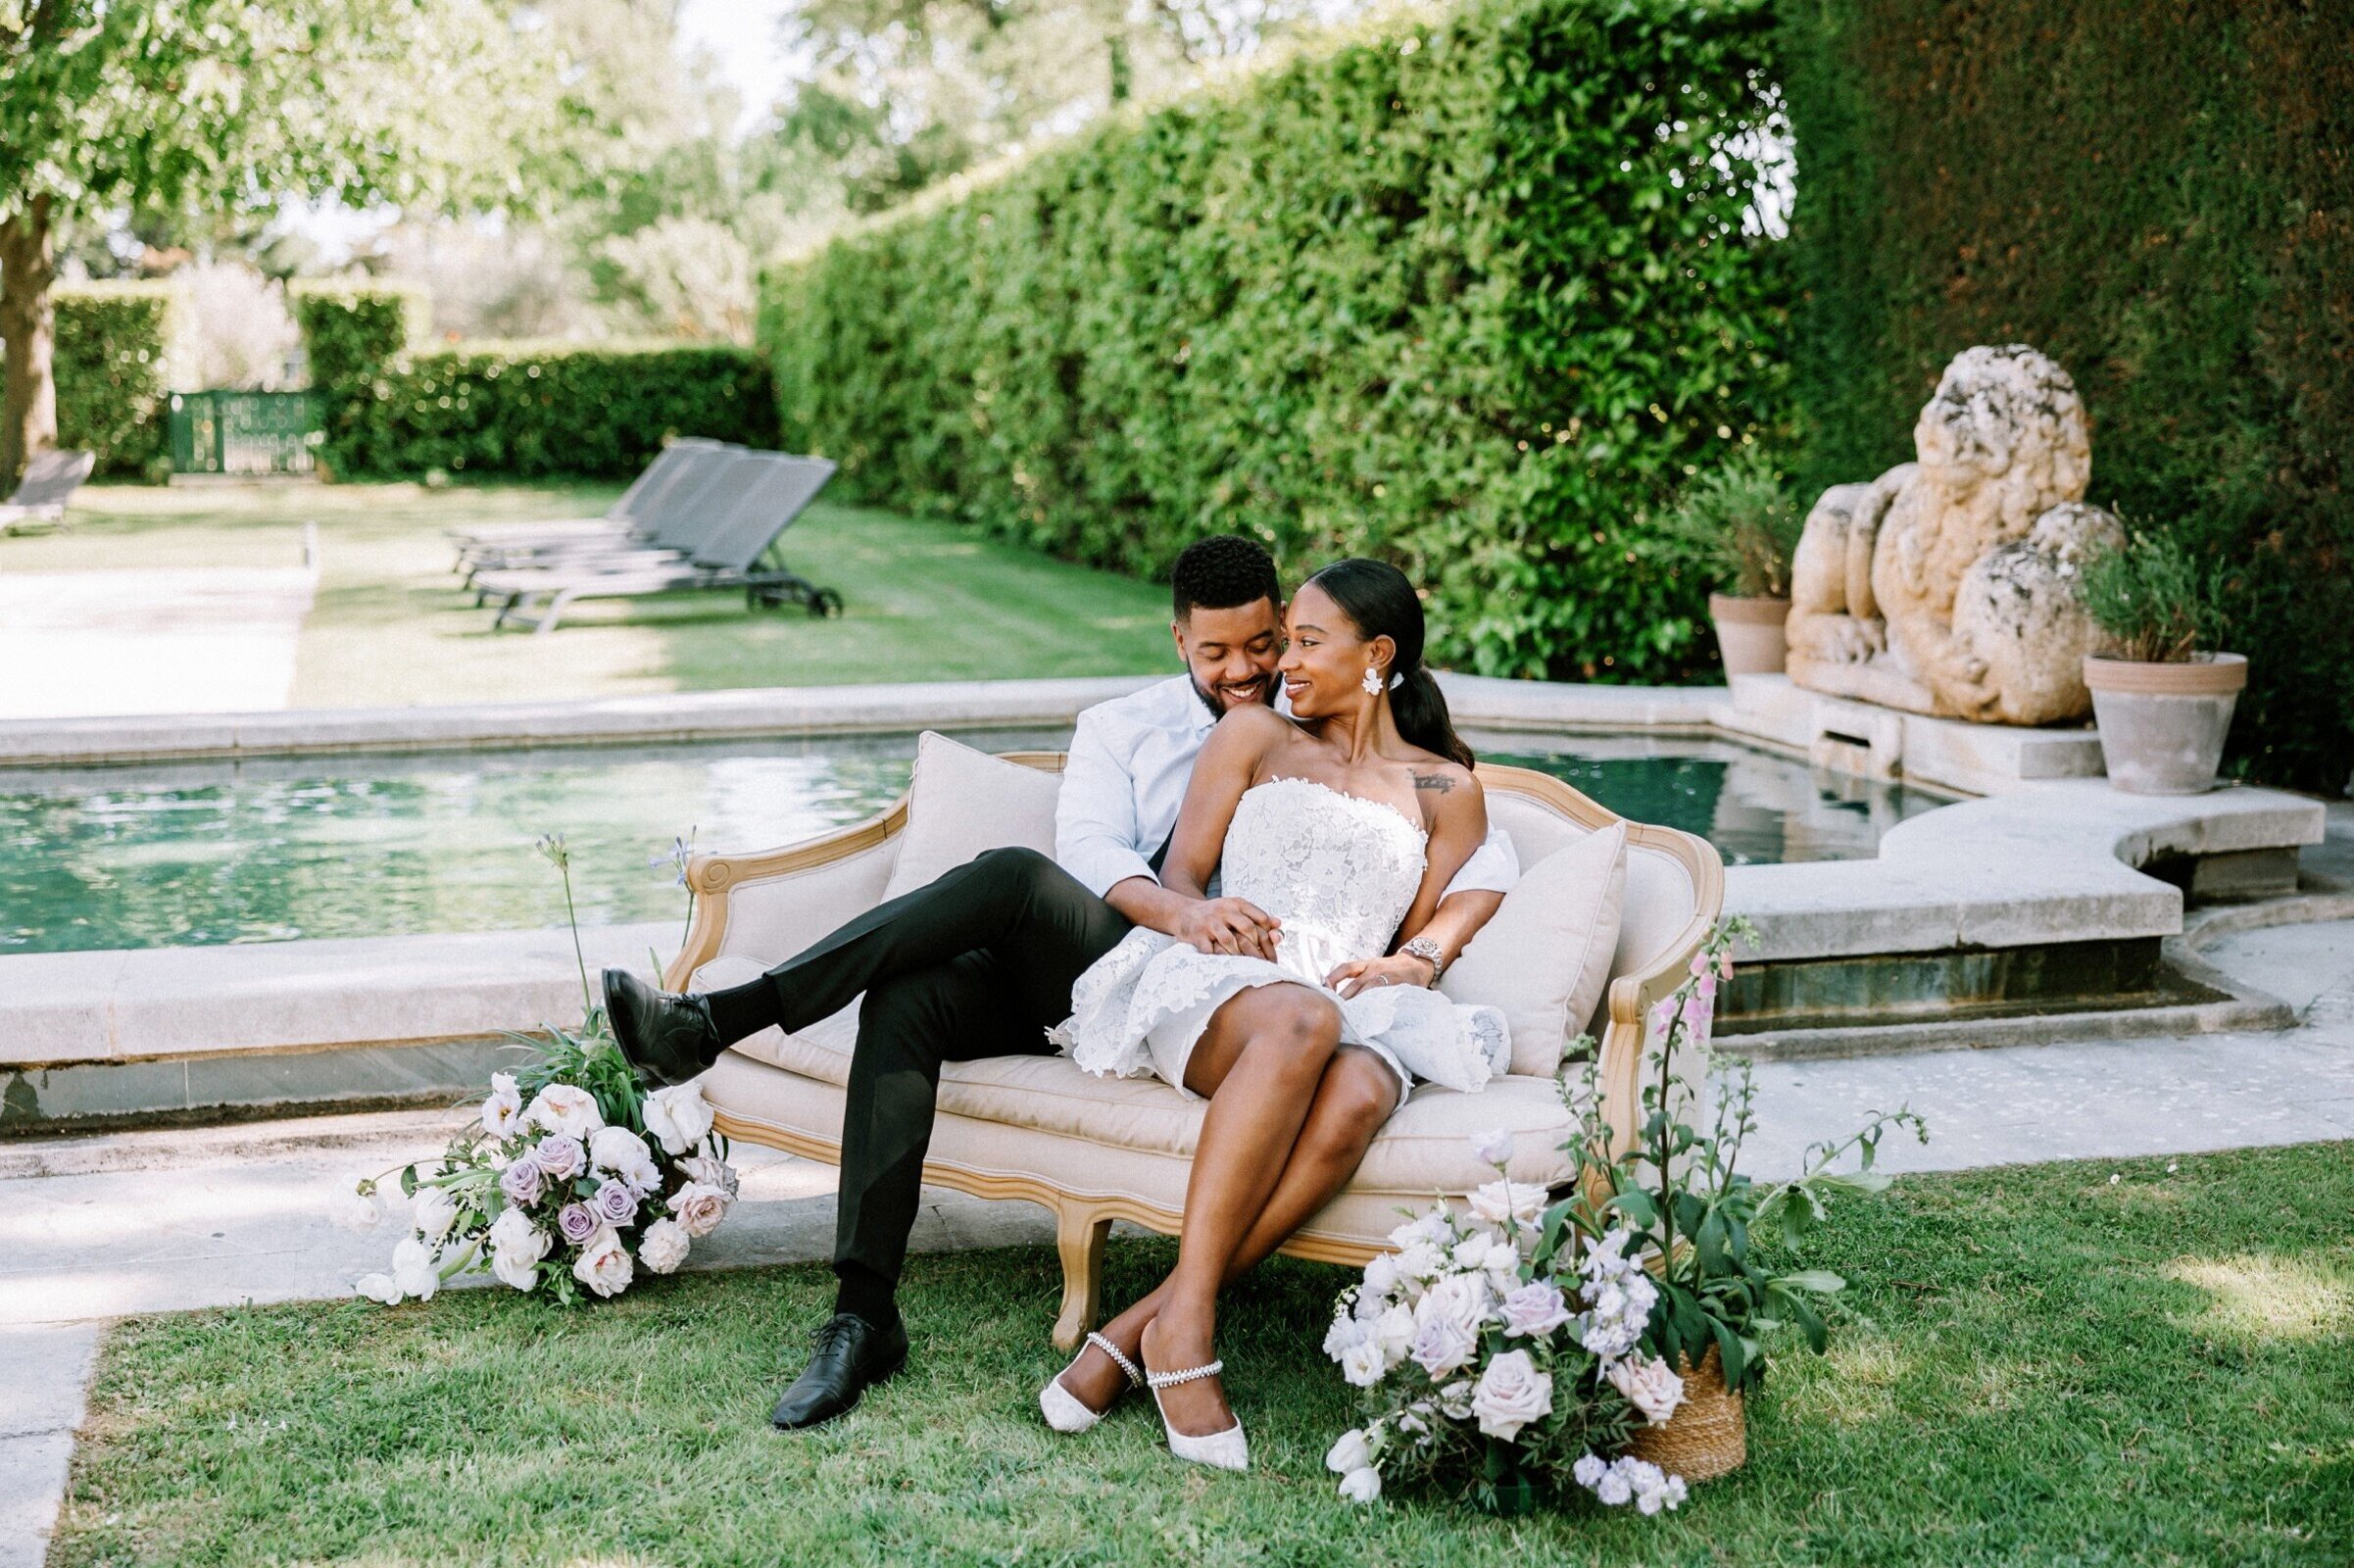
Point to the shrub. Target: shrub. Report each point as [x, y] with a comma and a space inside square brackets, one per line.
[2151, 597]
[2157, 197]
[1740, 520]
[112, 366]
[521, 408]
[1471, 295]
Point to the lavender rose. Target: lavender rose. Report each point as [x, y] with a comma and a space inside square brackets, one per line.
[560, 1156]
[699, 1208]
[1511, 1394]
[522, 1182]
[1536, 1308]
[614, 1203]
[577, 1223]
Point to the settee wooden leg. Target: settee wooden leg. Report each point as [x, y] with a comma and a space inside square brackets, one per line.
[1079, 1235]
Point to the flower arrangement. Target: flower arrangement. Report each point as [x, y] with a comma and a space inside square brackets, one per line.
[569, 1181]
[571, 1178]
[1518, 1344]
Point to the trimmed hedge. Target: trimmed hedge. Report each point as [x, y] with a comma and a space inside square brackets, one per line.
[2161, 199]
[522, 409]
[111, 368]
[1469, 295]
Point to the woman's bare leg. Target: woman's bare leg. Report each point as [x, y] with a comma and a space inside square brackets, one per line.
[1354, 1096]
[1259, 1062]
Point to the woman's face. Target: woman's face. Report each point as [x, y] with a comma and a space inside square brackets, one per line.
[1324, 666]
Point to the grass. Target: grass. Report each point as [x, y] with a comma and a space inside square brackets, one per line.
[926, 600]
[2047, 1367]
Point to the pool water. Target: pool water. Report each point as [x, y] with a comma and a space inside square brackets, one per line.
[201, 853]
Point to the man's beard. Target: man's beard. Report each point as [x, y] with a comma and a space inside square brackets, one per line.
[1217, 709]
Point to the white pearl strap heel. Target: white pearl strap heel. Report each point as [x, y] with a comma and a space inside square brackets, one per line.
[1064, 1411]
[1223, 1450]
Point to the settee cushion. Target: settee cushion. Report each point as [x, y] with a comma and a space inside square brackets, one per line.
[964, 802]
[1544, 955]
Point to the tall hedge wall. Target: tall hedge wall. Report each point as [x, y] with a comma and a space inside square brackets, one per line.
[2161, 196]
[111, 368]
[522, 409]
[1469, 295]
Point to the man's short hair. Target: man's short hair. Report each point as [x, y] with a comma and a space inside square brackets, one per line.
[1221, 572]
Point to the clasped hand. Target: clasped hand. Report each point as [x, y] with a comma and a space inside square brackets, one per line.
[1396, 969]
[1234, 926]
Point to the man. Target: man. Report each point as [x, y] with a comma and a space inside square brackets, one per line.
[981, 961]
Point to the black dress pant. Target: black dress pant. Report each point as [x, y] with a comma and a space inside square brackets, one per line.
[978, 964]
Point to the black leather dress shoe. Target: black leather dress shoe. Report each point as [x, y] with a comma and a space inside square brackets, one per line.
[849, 1357]
[666, 1038]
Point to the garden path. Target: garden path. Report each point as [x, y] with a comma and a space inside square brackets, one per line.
[183, 640]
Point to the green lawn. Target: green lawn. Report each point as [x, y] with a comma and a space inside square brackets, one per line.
[926, 600]
[2049, 1368]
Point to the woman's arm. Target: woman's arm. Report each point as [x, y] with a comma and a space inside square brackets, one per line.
[1228, 762]
[1459, 827]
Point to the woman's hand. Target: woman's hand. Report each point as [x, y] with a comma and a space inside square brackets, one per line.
[1234, 926]
[1398, 969]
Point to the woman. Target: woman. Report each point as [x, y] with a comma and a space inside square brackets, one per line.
[1345, 823]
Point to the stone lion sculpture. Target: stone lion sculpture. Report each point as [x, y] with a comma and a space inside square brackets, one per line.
[1946, 585]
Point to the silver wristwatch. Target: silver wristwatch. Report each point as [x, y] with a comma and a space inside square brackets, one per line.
[1425, 948]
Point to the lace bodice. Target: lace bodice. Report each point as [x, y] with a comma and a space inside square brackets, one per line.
[1338, 871]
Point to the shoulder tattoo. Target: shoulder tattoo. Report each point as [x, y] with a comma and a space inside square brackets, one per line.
[1437, 783]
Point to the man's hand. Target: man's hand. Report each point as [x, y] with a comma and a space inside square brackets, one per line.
[1228, 925]
[1398, 969]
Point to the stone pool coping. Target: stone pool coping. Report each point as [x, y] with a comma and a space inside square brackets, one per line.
[2050, 861]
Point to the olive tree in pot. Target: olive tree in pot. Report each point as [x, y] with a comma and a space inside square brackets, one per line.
[1740, 522]
[2162, 703]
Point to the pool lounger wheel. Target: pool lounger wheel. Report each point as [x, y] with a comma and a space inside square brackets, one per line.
[775, 590]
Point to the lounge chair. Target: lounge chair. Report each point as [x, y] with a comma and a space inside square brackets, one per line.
[677, 521]
[661, 499]
[49, 482]
[1096, 1150]
[779, 487]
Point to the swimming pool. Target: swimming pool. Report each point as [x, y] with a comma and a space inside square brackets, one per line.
[201, 853]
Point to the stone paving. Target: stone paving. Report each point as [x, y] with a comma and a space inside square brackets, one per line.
[95, 1228]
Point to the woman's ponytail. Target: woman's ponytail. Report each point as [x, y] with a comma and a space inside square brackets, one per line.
[1377, 597]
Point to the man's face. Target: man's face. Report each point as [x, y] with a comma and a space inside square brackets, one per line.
[1231, 653]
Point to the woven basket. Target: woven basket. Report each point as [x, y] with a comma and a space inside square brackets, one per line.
[1708, 1435]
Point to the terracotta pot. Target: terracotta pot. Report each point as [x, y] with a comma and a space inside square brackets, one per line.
[1748, 633]
[1708, 1435]
[2162, 726]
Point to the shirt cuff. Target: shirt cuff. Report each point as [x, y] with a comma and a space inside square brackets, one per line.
[1100, 866]
[1493, 867]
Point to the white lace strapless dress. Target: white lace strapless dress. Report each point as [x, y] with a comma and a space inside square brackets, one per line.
[1340, 872]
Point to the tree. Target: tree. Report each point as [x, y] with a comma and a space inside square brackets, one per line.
[228, 105]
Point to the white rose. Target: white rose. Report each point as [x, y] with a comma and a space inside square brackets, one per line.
[1362, 1364]
[1394, 1331]
[378, 1287]
[1362, 1485]
[1501, 1203]
[1651, 1386]
[619, 1152]
[412, 1269]
[517, 1247]
[502, 1111]
[1460, 1298]
[1511, 1394]
[1421, 1260]
[565, 1109]
[664, 1247]
[1347, 1330]
[678, 1117]
[699, 1208]
[1433, 1227]
[434, 1214]
[1380, 1275]
[1481, 1251]
[1493, 1146]
[1351, 1453]
[604, 1264]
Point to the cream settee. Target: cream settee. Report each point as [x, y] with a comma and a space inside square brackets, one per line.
[1096, 1150]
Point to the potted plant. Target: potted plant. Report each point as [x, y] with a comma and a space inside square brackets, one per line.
[2162, 701]
[1741, 522]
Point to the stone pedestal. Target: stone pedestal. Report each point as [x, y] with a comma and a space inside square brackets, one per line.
[1863, 738]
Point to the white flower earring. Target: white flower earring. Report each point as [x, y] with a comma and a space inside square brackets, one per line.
[1372, 683]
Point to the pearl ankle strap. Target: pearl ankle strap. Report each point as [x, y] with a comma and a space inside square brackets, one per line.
[1170, 1380]
[1136, 1379]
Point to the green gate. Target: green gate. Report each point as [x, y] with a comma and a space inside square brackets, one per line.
[244, 433]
